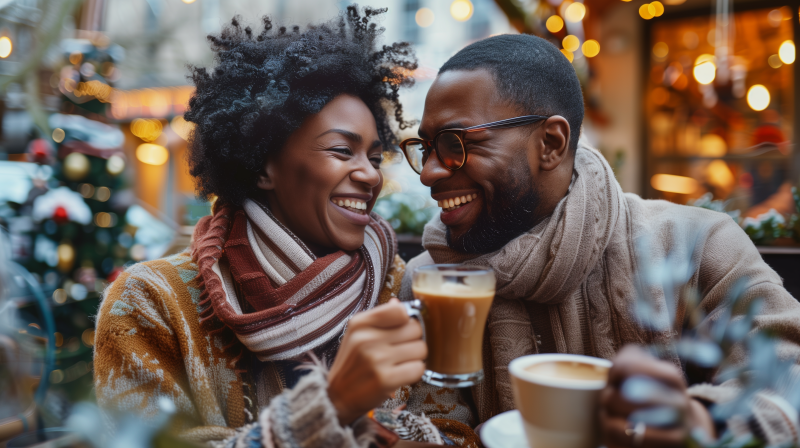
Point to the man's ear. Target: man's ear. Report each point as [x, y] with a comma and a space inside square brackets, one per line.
[555, 133]
[266, 181]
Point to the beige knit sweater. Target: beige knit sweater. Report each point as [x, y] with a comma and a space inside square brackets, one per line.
[568, 285]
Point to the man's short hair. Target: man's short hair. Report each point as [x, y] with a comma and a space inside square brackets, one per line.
[531, 73]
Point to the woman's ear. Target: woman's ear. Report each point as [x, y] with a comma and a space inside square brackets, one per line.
[266, 181]
[555, 135]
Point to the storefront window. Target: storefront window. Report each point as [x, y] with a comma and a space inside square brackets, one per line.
[720, 111]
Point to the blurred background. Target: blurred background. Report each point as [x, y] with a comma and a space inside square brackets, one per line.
[691, 101]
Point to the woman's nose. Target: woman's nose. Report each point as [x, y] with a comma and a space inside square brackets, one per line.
[433, 171]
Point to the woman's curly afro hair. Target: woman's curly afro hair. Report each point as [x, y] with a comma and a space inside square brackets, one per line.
[264, 85]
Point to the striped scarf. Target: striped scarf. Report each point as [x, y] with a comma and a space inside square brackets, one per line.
[278, 297]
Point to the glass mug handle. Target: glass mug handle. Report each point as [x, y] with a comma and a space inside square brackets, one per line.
[415, 308]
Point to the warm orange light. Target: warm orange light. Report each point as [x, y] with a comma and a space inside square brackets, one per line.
[590, 48]
[568, 54]
[647, 11]
[660, 50]
[152, 154]
[575, 12]
[758, 97]
[658, 8]
[571, 43]
[671, 183]
[719, 174]
[146, 129]
[554, 24]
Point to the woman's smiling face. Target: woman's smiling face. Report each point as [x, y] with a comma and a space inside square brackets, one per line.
[326, 179]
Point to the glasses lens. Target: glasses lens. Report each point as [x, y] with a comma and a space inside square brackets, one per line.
[415, 153]
[450, 150]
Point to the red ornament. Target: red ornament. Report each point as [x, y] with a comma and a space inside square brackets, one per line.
[39, 151]
[60, 215]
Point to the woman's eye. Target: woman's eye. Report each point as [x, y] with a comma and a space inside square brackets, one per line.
[343, 150]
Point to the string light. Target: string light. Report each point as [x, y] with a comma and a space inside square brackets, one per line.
[554, 24]
[5, 47]
[424, 17]
[658, 8]
[568, 54]
[758, 97]
[461, 10]
[647, 11]
[660, 50]
[590, 48]
[58, 135]
[575, 12]
[152, 154]
[705, 71]
[671, 183]
[571, 43]
[786, 52]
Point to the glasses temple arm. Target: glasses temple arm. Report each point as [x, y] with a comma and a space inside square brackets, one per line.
[509, 122]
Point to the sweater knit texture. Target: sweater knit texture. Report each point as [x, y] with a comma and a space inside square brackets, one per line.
[153, 343]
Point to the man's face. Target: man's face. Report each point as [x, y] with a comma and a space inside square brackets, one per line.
[498, 168]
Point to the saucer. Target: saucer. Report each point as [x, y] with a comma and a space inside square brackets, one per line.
[504, 431]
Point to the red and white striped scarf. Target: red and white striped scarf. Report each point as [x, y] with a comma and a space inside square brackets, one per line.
[279, 298]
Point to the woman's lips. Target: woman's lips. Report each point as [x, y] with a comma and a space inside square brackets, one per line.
[358, 218]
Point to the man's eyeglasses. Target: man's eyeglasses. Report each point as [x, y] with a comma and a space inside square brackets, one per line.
[449, 143]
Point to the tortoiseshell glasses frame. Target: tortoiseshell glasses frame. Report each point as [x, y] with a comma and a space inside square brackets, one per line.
[449, 143]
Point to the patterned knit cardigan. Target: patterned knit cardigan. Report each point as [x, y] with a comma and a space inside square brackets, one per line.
[151, 343]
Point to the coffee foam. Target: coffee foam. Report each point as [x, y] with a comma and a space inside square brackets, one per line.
[521, 368]
[453, 290]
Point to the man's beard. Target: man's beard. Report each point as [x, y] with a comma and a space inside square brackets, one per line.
[513, 213]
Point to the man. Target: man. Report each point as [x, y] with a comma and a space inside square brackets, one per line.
[523, 197]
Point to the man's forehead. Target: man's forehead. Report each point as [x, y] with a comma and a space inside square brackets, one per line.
[459, 97]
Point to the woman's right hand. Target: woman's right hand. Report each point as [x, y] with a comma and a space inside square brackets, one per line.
[382, 350]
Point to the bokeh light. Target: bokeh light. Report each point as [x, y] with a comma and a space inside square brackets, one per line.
[590, 48]
[774, 61]
[58, 135]
[554, 24]
[424, 17]
[568, 54]
[575, 12]
[705, 71]
[787, 52]
[660, 50]
[647, 11]
[5, 47]
[571, 43]
[146, 129]
[758, 97]
[461, 10]
[152, 154]
[658, 8]
[671, 183]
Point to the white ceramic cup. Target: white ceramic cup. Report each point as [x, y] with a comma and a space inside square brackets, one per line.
[558, 412]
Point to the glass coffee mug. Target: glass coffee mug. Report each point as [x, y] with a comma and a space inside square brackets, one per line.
[452, 302]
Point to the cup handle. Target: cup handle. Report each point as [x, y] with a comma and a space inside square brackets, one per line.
[415, 308]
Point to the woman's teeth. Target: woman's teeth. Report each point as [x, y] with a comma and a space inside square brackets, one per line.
[454, 203]
[352, 205]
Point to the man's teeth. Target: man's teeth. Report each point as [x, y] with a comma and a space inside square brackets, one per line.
[351, 204]
[453, 203]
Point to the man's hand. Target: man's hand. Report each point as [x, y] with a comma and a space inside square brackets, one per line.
[622, 397]
[382, 350]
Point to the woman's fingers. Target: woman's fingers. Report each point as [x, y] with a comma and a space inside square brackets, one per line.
[409, 351]
[618, 432]
[388, 315]
[617, 404]
[403, 374]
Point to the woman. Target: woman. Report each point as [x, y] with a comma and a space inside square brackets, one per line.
[290, 131]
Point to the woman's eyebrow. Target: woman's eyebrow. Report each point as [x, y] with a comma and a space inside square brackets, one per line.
[346, 134]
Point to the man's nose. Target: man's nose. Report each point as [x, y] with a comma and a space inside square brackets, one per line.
[433, 171]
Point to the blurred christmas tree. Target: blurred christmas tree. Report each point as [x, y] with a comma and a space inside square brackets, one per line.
[71, 231]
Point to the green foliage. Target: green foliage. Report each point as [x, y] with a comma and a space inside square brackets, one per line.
[407, 215]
